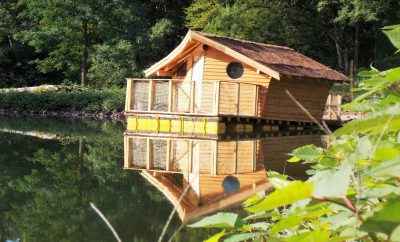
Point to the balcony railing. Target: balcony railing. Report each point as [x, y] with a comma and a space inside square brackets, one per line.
[211, 98]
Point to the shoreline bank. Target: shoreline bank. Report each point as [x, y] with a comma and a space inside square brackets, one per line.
[117, 116]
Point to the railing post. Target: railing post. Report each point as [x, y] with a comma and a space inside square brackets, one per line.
[129, 95]
[127, 153]
[150, 96]
[192, 99]
[149, 154]
[168, 156]
[170, 95]
[256, 101]
[216, 97]
[237, 98]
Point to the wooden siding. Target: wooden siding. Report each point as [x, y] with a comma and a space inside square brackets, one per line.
[215, 64]
[211, 188]
[274, 152]
[312, 94]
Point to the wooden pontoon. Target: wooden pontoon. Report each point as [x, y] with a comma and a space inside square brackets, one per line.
[209, 81]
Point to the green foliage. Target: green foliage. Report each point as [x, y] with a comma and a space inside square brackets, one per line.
[219, 220]
[112, 63]
[353, 193]
[293, 192]
[74, 99]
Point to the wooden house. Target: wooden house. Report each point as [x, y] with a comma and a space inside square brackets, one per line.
[208, 81]
[203, 165]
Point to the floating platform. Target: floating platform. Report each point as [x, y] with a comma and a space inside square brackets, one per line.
[211, 127]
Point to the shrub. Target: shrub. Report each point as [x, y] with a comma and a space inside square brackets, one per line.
[67, 99]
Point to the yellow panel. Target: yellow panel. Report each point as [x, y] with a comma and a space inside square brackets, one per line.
[181, 126]
[165, 125]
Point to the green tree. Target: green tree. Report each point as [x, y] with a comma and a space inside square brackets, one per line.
[70, 30]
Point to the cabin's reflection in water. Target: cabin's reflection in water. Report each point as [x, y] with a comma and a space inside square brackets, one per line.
[211, 174]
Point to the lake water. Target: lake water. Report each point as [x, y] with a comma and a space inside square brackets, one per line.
[51, 169]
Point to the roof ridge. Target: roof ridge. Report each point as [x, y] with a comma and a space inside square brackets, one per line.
[242, 40]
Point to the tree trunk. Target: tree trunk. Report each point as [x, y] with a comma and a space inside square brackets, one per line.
[339, 55]
[356, 50]
[85, 54]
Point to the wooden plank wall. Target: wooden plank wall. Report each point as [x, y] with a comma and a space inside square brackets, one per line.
[211, 186]
[312, 94]
[273, 151]
[215, 64]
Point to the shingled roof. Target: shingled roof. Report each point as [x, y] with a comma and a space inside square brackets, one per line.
[271, 59]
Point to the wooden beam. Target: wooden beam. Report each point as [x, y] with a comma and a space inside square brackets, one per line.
[215, 159]
[254, 155]
[237, 98]
[149, 154]
[127, 150]
[256, 101]
[168, 156]
[190, 154]
[236, 157]
[216, 97]
[192, 95]
[129, 94]
[170, 95]
[150, 95]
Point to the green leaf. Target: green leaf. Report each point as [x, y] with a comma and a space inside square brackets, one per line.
[386, 169]
[286, 223]
[386, 219]
[294, 159]
[381, 190]
[386, 153]
[219, 220]
[307, 153]
[373, 125]
[332, 183]
[395, 236]
[313, 236]
[216, 237]
[393, 33]
[241, 237]
[293, 192]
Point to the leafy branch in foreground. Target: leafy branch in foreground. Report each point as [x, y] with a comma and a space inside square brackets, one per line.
[353, 193]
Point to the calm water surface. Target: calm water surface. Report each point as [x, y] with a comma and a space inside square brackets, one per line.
[51, 169]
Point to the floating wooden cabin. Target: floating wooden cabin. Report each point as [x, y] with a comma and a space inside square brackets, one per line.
[172, 164]
[210, 81]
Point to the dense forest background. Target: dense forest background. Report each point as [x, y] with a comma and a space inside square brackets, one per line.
[100, 42]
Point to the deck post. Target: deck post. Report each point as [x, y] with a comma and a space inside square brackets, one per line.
[192, 98]
[129, 97]
[256, 101]
[190, 165]
[170, 95]
[237, 98]
[149, 154]
[215, 159]
[216, 97]
[254, 164]
[168, 156]
[127, 153]
[236, 157]
[150, 96]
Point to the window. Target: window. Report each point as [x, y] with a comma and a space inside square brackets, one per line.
[235, 70]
